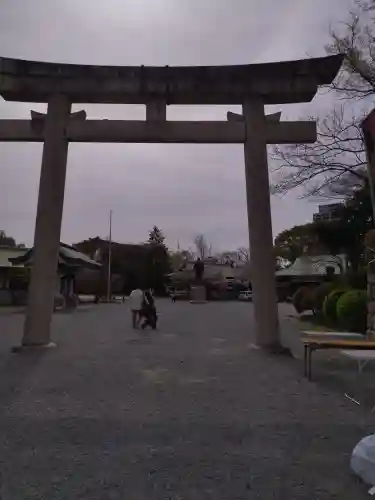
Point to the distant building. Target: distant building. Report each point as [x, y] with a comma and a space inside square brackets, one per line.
[312, 268]
[327, 213]
[308, 270]
[225, 274]
[5, 265]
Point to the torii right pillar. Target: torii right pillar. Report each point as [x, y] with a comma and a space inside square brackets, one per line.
[260, 225]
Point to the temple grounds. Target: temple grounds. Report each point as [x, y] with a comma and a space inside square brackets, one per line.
[192, 411]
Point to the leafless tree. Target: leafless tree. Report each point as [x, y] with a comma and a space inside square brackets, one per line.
[233, 257]
[243, 254]
[6, 240]
[204, 249]
[334, 166]
[355, 38]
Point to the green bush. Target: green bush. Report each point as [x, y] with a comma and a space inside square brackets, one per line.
[330, 305]
[303, 299]
[351, 311]
[320, 293]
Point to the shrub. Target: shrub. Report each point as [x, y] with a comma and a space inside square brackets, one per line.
[320, 293]
[302, 299]
[330, 305]
[351, 310]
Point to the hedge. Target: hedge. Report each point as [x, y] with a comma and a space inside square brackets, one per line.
[330, 305]
[320, 293]
[351, 311]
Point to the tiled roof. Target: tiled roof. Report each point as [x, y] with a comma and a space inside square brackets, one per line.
[312, 266]
[67, 255]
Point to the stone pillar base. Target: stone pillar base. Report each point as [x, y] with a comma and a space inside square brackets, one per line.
[32, 347]
[71, 303]
[198, 295]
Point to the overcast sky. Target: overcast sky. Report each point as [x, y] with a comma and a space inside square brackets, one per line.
[184, 189]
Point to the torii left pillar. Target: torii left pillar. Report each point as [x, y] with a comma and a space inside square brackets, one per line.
[48, 225]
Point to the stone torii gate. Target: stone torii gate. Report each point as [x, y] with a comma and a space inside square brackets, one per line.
[251, 86]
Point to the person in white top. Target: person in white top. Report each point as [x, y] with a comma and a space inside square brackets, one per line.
[136, 302]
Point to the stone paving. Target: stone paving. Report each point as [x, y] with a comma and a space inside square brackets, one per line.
[191, 411]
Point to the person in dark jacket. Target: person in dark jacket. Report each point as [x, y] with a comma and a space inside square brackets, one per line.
[149, 311]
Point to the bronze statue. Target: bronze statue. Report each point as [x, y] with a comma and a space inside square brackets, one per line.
[199, 270]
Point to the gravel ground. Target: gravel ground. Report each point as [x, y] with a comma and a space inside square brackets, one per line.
[192, 411]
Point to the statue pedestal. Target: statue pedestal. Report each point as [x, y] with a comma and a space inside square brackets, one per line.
[198, 294]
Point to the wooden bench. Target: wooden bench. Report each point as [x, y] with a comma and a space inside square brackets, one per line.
[308, 334]
[316, 344]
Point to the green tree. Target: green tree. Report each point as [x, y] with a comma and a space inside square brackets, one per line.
[156, 236]
[347, 234]
[158, 261]
[296, 241]
[180, 258]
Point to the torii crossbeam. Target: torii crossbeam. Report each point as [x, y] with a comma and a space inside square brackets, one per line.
[137, 131]
[251, 86]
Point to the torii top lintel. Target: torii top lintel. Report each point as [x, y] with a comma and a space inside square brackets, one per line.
[277, 83]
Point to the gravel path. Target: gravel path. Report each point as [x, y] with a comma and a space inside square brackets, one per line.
[191, 411]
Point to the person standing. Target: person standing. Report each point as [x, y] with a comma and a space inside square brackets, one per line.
[135, 302]
[149, 310]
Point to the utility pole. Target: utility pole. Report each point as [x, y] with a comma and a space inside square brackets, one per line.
[109, 258]
[368, 130]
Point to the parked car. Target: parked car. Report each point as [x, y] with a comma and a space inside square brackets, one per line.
[247, 295]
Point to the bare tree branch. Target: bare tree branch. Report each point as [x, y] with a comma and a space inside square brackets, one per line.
[204, 249]
[335, 165]
[243, 254]
[355, 39]
[338, 154]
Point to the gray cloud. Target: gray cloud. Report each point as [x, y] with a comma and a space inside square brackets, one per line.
[183, 188]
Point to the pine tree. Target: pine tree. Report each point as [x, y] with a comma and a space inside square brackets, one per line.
[156, 236]
[159, 260]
